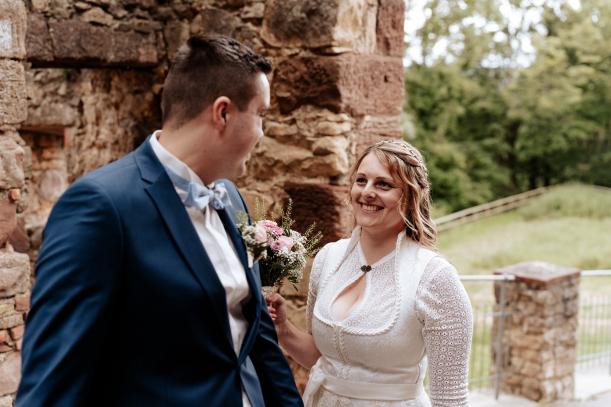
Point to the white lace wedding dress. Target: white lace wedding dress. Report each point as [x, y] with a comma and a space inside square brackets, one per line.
[413, 308]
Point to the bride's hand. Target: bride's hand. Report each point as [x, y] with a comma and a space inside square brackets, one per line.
[276, 305]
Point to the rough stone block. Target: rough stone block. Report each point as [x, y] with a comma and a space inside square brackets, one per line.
[38, 40]
[10, 373]
[372, 129]
[10, 321]
[133, 49]
[40, 5]
[98, 16]
[356, 84]
[75, 42]
[253, 11]
[327, 166]
[14, 273]
[22, 302]
[6, 401]
[176, 33]
[12, 29]
[18, 238]
[324, 204]
[338, 25]
[12, 157]
[389, 27]
[299, 23]
[13, 102]
[17, 332]
[8, 220]
[537, 274]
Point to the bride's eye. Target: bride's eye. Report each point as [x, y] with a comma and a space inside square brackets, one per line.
[360, 181]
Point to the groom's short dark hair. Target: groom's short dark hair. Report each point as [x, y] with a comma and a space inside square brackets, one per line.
[205, 68]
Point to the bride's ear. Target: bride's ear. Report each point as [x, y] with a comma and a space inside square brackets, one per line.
[220, 112]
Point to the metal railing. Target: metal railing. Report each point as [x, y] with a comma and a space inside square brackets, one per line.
[490, 208]
[484, 352]
[594, 330]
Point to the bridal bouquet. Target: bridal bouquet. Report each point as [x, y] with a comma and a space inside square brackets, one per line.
[281, 251]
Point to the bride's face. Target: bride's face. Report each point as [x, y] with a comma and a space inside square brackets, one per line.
[376, 196]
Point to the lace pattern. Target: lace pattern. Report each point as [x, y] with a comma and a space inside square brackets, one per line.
[444, 310]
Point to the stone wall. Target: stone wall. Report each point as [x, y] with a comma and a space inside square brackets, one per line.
[14, 172]
[93, 81]
[337, 84]
[540, 335]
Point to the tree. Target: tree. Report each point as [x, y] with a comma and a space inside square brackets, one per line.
[494, 118]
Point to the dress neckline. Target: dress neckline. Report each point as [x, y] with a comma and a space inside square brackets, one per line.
[356, 307]
[363, 260]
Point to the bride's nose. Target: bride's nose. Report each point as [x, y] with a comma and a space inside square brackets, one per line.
[368, 191]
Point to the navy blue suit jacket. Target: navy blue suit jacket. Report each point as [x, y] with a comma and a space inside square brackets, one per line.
[127, 309]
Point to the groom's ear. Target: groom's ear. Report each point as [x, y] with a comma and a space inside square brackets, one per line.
[220, 115]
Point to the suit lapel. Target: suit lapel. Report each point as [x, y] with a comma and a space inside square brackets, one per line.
[229, 223]
[172, 210]
[251, 309]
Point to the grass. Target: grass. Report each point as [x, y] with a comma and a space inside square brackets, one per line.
[568, 226]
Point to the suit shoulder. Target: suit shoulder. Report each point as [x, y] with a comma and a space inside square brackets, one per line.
[111, 176]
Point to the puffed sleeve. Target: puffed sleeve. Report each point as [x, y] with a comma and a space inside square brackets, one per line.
[444, 309]
[314, 282]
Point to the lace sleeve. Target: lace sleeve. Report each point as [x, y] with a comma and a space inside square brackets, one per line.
[443, 307]
[315, 273]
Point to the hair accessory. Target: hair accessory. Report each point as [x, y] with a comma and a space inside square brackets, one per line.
[412, 156]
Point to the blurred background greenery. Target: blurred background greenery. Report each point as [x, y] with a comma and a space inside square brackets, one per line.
[503, 96]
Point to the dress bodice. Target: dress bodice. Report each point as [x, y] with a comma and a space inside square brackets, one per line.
[384, 337]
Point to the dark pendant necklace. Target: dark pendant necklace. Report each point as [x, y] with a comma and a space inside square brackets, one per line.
[365, 268]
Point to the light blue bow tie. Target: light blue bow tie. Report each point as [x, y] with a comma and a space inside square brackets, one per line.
[198, 195]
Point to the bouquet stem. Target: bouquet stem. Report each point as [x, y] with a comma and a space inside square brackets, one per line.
[268, 289]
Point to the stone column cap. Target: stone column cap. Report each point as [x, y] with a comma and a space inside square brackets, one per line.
[539, 272]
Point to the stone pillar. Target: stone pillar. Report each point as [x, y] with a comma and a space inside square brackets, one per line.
[14, 266]
[539, 337]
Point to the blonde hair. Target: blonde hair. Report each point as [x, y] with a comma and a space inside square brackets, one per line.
[406, 164]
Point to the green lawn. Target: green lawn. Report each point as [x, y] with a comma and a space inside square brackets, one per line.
[569, 225]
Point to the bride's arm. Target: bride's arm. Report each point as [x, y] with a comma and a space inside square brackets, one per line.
[298, 344]
[444, 309]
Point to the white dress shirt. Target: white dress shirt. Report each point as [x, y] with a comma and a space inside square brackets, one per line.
[219, 248]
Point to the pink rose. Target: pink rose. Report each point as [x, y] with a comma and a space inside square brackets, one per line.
[272, 227]
[260, 233]
[274, 244]
[286, 242]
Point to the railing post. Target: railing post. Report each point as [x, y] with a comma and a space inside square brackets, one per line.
[498, 377]
[538, 351]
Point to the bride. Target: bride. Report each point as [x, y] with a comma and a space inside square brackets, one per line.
[383, 302]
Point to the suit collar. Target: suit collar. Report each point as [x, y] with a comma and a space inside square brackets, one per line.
[149, 165]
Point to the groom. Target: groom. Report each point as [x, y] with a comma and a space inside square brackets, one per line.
[143, 294]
